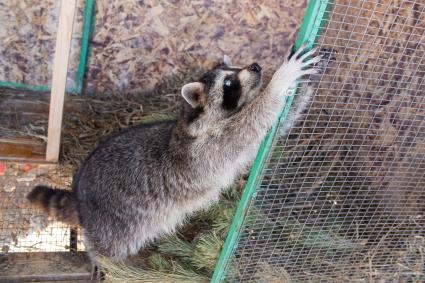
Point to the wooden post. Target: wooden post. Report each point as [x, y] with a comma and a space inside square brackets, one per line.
[60, 71]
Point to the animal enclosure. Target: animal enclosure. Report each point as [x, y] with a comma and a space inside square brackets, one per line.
[342, 198]
[138, 47]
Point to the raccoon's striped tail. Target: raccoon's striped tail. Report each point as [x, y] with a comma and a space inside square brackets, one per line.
[57, 203]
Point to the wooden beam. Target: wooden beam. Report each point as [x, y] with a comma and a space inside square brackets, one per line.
[22, 150]
[60, 71]
[44, 266]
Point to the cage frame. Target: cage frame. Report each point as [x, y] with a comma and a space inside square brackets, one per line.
[310, 30]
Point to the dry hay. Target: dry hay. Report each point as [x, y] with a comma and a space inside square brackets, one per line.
[347, 186]
[27, 41]
[89, 119]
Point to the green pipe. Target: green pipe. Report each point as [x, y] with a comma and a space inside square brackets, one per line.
[25, 86]
[89, 20]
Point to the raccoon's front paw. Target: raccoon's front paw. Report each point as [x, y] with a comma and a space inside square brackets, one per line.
[301, 63]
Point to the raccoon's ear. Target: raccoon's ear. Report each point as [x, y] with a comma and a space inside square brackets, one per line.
[193, 93]
[227, 61]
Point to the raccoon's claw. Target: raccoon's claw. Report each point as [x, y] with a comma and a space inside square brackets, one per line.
[300, 64]
[296, 54]
[318, 62]
[306, 59]
[308, 54]
[327, 54]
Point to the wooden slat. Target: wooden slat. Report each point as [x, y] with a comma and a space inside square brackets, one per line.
[26, 104]
[22, 150]
[17, 121]
[44, 267]
[60, 70]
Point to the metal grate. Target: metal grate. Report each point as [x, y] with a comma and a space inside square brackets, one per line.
[342, 197]
[22, 227]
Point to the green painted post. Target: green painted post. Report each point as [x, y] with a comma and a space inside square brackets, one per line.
[310, 31]
[89, 20]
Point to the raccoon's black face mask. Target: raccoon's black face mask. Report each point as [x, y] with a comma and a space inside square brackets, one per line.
[225, 89]
[232, 91]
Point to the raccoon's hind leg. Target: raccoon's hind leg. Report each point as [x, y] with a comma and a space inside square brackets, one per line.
[97, 273]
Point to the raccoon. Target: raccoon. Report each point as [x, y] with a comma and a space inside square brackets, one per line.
[142, 182]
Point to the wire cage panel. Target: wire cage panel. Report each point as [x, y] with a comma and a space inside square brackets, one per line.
[25, 229]
[342, 197]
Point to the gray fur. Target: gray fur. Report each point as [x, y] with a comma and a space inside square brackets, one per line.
[143, 182]
[301, 101]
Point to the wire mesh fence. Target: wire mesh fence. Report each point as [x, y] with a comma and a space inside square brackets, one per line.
[342, 197]
[24, 228]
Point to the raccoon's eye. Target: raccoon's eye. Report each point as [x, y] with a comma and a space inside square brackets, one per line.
[227, 82]
[231, 92]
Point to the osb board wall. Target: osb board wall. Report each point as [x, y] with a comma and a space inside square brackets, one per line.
[138, 44]
[27, 40]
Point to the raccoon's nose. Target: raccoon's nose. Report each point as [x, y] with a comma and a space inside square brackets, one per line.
[255, 68]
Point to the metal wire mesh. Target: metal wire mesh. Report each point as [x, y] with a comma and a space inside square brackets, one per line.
[23, 228]
[342, 197]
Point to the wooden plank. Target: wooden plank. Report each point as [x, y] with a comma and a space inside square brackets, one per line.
[44, 267]
[22, 150]
[27, 104]
[60, 70]
[10, 122]
[76, 277]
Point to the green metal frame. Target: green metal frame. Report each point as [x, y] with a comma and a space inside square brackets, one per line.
[311, 28]
[77, 88]
[89, 21]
